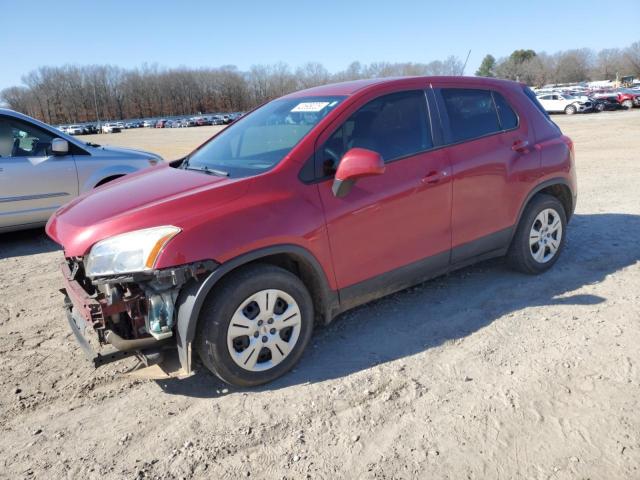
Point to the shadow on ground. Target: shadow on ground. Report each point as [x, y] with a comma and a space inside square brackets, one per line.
[451, 307]
[25, 242]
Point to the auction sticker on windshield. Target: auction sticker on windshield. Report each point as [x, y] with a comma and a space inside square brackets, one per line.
[309, 106]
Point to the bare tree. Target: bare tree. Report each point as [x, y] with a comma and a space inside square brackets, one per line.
[73, 93]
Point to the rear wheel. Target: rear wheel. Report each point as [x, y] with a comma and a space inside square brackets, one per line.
[539, 238]
[570, 109]
[628, 104]
[254, 328]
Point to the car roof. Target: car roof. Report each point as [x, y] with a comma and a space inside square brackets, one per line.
[45, 126]
[351, 87]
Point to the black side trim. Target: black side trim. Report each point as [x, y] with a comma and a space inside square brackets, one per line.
[393, 281]
[193, 295]
[490, 246]
[497, 242]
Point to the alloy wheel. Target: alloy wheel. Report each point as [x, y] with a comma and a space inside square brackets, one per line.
[545, 235]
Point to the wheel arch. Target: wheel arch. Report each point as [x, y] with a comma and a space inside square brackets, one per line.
[89, 177]
[293, 258]
[108, 179]
[556, 187]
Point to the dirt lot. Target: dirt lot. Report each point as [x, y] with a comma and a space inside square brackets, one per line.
[170, 143]
[481, 374]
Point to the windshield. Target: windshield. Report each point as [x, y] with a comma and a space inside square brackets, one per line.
[263, 138]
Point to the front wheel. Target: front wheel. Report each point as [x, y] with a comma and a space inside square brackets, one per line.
[628, 104]
[570, 110]
[255, 326]
[540, 235]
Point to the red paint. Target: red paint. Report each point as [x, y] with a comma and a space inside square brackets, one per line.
[359, 163]
[420, 206]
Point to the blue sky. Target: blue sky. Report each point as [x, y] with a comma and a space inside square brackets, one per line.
[243, 33]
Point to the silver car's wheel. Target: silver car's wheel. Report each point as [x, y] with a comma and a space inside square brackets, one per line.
[264, 330]
[545, 236]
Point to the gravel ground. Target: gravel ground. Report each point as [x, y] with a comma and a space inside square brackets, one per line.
[483, 373]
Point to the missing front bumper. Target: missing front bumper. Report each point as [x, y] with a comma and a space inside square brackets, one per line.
[79, 329]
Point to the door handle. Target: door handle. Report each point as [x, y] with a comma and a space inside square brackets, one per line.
[434, 177]
[520, 146]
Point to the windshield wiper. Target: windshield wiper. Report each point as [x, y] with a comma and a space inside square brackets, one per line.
[210, 171]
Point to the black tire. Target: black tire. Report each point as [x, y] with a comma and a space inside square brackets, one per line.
[628, 104]
[520, 255]
[222, 303]
[570, 109]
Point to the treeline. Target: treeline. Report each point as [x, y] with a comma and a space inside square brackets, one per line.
[569, 66]
[71, 93]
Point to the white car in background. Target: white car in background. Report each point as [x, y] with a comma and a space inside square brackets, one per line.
[74, 130]
[562, 102]
[111, 128]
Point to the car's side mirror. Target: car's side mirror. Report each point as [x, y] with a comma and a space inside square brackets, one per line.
[355, 164]
[59, 146]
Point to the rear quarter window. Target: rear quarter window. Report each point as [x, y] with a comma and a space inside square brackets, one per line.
[506, 115]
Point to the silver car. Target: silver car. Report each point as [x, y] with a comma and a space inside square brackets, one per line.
[42, 168]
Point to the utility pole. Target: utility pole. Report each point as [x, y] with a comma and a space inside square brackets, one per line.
[95, 103]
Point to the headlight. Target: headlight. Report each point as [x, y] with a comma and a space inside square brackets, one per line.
[135, 251]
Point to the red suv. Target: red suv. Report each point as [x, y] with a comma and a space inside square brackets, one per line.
[306, 207]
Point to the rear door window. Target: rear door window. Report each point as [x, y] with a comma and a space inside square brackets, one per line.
[471, 112]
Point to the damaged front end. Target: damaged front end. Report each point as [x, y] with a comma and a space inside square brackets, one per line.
[118, 316]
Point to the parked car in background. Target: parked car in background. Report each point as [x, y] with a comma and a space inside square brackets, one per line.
[148, 124]
[559, 102]
[605, 103]
[62, 128]
[90, 129]
[161, 123]
[629, 97]
[217, 120]
[201, 121]
[369, 187]
[111, 128]
[42, 168]
[75, 130]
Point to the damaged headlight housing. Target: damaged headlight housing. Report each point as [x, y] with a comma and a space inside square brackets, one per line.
[129, 252]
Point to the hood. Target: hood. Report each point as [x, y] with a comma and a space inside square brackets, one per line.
[125, 152]
[157, 196]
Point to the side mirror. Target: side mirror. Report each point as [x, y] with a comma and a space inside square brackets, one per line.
[356, 163]
[59, 146]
